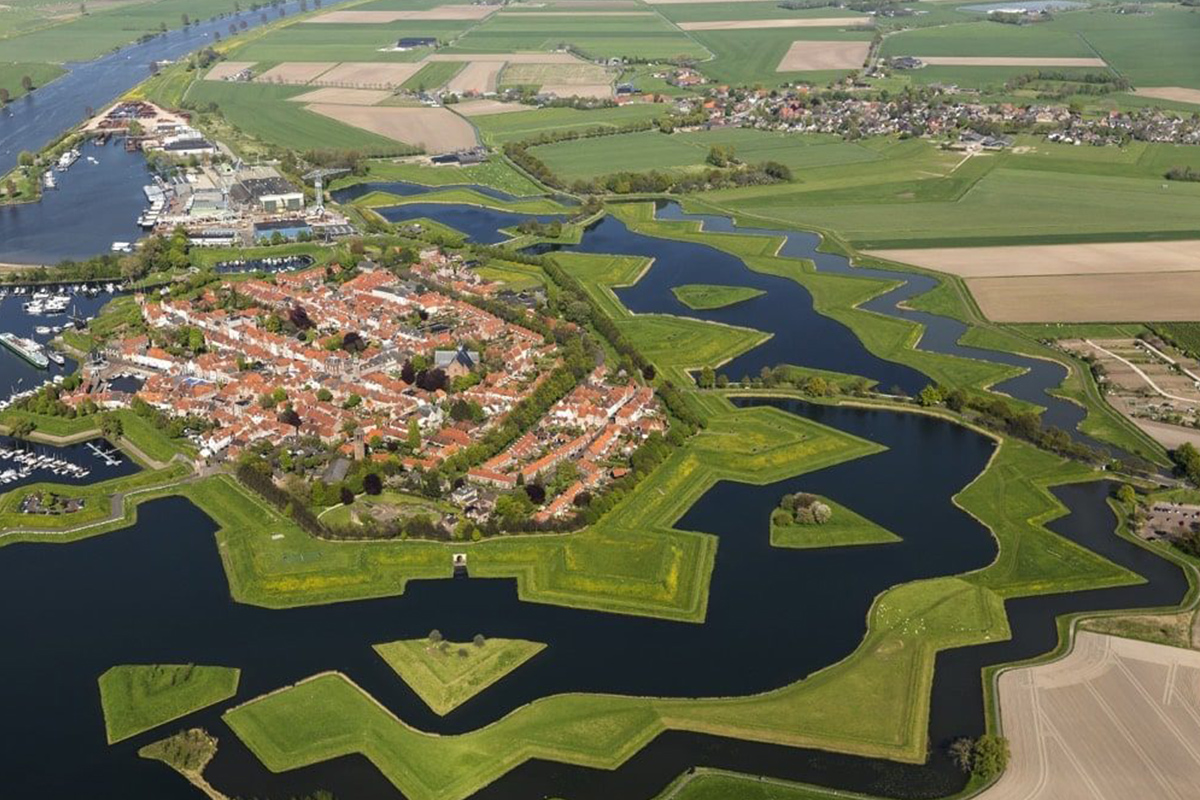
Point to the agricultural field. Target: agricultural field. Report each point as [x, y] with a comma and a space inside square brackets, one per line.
[757, 56]
[599, 36]
[262, 111]
[342, 42]
[106, 26]
[137, 698]
[682, 152]
[509, 127]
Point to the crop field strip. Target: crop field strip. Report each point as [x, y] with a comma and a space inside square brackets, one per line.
[754, 24]
[440, 13]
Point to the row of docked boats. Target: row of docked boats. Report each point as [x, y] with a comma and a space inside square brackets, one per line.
[27, 462]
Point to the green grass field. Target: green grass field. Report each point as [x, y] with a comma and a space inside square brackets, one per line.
[86, 37]
[596, 36]
[137, 698]
[11, 76]
[683, 152]
[750, 57]
[433, 75]
[264, 112]
[405, 503]
[847, 527]
[496, 173]
[445, 674]
[707, 295]
[349, 42]
[501, 128]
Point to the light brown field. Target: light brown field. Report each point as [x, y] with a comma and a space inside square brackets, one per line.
[1176, 93]
[227, 69]
[482, 108]
[478, 77]
[435, 129]
[694, 2]
[512, 12]
[343, 97]
[560, 74]
[595, 4]
[1114, 720]
[369, 74]
[805, 55]
[384, 17]
[597, 90]
[295, 71]
[752, 24]
[1010, 61]
[511, 58]
[1124, 297]
[1054, 259]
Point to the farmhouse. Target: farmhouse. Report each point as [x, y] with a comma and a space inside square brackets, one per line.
[413, 42]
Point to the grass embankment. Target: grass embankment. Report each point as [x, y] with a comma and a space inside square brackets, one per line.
[187, 752]
[845, 527]
[533, 205]
[136, 698]
[12, 77]
[704, 296]
[445, 674]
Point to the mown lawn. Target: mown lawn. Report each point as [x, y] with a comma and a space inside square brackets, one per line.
[706, 295]
[846, 527]
[136, 698]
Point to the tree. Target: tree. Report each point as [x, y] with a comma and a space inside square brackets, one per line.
[346, 496]
[27, 83]
[707, 378]
[324, 395]
[479, 641]
[25, 158]
[373, 484]
[930, 396]
[1127, 494]
[184, 19]
[435, 636]
[408, 373]
[961, 752]
[414, 435]
[111, 426]
[990, 756]
[4, 96]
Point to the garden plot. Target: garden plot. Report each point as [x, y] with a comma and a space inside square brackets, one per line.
[295, 72]
[483, 108]
[753, 24]
[830, 55]
[437, 130]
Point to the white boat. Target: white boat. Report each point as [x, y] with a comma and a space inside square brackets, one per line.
[67, 159]
[34, 307]
[48, 181]
[56, 357]
[42, 330]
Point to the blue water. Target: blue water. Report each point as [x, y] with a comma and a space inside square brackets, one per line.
[480, 224]
[93, 206]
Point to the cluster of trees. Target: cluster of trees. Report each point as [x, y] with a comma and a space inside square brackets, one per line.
[1187, 462]
[1068, 84]
[985, 757]
[46, 401]
[655, 182]
[532, 227]
[720, 155]
[256, 476]
[172, 426]
[1182, 174]
[802, 509]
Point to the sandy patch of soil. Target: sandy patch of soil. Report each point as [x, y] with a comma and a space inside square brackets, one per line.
[482, 108]
[806, 55]
[1054, 259]
[435, 129]
[369, 74]
[1176, 93]
[1010, 61]
[1114, 719]
[227, 69]
[295, 71]
[752, 24]
[478, 77]
[343, 97]
[384, 17]
[1126, 297]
